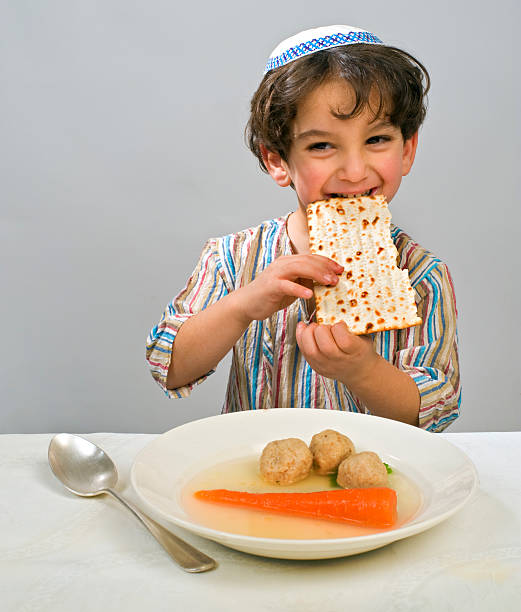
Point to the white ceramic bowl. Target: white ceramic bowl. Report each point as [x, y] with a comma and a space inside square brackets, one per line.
[445, 475]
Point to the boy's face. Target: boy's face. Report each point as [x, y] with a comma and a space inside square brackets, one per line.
[332, 156]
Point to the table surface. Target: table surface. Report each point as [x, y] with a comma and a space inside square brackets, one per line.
[62, 552]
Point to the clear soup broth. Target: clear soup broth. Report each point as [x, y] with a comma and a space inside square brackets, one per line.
[243, 475]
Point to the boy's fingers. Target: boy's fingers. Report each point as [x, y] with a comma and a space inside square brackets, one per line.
[342, 336]
[323, 270]
[338, 268]
[325, 341]
[288, 287]
[306, 339]
[322, 259]
[330, 261]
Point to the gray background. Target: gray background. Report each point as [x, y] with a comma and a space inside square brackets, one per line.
[122, 152]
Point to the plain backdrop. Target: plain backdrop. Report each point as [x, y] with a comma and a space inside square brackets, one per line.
[122, 151]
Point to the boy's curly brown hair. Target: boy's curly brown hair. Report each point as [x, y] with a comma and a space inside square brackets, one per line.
[395, 79]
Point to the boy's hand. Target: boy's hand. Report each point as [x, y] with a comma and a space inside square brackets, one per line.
[281, 283]
[334, 352]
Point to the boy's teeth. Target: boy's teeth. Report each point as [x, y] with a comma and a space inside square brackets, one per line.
[351, 195]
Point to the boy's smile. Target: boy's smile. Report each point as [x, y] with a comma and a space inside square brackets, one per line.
[332, 155]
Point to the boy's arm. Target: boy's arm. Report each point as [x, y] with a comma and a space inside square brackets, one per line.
[387, 391]
[207, 283]
[422, 387]
[395, 394]
[428, 353]
[206, 337]
[336, 353]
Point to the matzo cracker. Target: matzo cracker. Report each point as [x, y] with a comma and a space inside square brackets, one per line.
[372, 293]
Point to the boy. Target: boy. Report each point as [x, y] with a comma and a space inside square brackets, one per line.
[336, 114]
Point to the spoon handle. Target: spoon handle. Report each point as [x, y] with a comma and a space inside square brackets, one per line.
[188, 557]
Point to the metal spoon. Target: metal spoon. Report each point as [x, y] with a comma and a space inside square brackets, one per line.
[85, 469]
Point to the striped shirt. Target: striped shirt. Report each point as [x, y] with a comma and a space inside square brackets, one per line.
[268, 369]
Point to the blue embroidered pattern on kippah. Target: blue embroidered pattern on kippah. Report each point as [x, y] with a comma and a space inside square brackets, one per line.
[318, 44]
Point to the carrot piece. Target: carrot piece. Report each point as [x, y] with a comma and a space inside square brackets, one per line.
[371, 507]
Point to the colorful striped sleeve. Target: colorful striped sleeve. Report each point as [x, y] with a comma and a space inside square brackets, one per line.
[207, 284]
[429, 352]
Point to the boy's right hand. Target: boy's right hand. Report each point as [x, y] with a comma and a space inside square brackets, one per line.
[281, 283]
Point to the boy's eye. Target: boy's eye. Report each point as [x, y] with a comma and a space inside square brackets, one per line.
[320, 146]
[378, 139]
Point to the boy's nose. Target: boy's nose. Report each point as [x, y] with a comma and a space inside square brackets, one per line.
[352, 167]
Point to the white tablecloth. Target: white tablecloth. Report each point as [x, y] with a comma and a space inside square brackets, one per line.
[64, 553]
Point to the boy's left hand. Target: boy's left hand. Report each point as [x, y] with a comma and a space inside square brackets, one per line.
[335, 352]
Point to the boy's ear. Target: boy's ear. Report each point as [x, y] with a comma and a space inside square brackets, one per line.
[409, 152]
[276, 166]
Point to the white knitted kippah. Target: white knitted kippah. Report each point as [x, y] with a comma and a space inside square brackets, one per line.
[317, 39]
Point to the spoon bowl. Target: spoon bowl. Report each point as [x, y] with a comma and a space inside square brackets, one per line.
[85, 469]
